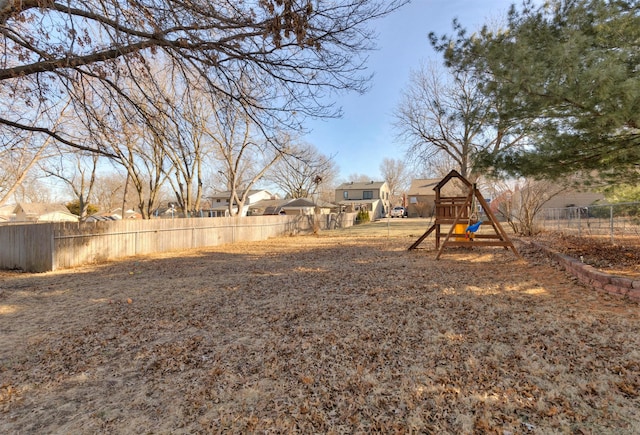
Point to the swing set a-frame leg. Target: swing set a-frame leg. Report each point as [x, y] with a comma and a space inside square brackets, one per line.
[422, 237]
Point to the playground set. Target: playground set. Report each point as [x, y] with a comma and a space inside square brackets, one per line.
[460, 212]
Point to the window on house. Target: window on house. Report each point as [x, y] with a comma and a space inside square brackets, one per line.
[345, 194]
[367, 194]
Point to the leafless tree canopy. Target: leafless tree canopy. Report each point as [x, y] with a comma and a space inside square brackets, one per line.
[397, 176]
[294, 53]
[80, 178]
[303, 172]
[520, 203]
[443, 113]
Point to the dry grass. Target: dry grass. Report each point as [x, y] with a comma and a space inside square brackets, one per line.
[340, 333]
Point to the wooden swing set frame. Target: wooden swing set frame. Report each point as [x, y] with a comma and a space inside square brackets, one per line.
[458, 210]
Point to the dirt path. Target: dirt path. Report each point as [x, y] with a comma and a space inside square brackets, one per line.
[316, 334]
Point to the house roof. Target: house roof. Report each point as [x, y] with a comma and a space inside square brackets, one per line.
[325, 204]
[227, 193]
[7, 210]
[94, 218]
[453, 174]
[273, 206]
[40, 208]
[352, 185]
[269, 202]
[423, 186]
[270, 206]
[306, 202]
[115, 214]
[43, 212]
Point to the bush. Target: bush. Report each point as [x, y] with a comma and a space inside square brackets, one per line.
[363, 216]
[74, 207]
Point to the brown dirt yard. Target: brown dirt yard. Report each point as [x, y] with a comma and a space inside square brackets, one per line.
[345, 332]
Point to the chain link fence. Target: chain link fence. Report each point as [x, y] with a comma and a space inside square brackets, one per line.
[620, 223]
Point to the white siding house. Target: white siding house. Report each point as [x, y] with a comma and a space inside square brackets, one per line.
[41, 212]
[218, 203]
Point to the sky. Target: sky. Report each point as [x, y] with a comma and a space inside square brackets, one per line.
[364, 136]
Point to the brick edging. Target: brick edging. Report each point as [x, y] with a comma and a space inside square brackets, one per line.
[590, 276]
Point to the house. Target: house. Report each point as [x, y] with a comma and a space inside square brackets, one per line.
[327, 207]
[421, 197]
[219, 202]
[548, 199]
[170, 211]
[573, 198]
[42, 212]
[292, 206]
[569, 201]
[114, 215]
[267, 207]
[372, 196]
[6, 213]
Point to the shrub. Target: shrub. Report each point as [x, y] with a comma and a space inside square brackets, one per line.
[363, 216]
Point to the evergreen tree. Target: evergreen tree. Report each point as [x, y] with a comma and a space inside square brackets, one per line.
[568, 71]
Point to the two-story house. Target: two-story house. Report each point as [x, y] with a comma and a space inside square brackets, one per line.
[372, 196]
[219, 202]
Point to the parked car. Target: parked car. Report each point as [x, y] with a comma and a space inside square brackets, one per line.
[398, 212]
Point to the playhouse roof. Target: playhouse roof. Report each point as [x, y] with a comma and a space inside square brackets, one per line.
[449, 176]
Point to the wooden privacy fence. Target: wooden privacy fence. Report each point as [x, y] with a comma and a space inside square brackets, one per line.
[52, 246]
